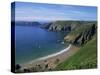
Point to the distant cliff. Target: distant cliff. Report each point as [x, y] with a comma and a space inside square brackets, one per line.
[26, 23]
[79, 31]
[65, 25]
[62, 25]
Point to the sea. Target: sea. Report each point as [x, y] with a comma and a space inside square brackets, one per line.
[34, 42]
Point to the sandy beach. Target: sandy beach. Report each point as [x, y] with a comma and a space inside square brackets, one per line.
[53, 59]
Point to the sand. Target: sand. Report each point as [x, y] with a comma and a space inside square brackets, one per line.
[53, 59]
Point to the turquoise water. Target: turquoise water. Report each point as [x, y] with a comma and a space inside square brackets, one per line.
[34, 42]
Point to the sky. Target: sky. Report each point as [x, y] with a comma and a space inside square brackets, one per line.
[25, 11]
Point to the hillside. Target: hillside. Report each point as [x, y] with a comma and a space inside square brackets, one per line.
[83, 35]
[86, 58]
[66, 25]
[85, 38]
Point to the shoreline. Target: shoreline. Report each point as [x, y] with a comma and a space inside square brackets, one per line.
[55, 54]
[49, 56]
[52, 55]
[52, 58]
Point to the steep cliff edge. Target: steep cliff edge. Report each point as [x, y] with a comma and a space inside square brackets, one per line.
[79, 31]
[85, 37]
[66, 25]
[82, 34]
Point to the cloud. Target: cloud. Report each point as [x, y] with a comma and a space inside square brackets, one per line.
[54, 12]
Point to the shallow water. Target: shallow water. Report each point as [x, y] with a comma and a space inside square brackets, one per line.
[34, 42]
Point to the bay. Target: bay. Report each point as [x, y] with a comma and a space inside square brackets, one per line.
[32, 42]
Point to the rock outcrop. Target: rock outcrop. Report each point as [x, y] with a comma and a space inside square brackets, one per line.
[85, 36]
[61, 26]
[65, 25]
[79, 31]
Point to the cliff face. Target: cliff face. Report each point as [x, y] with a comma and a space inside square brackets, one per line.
[82, 36]
[63, 26]
[85, 36]
[79, 31]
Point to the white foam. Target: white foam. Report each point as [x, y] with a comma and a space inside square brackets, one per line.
[51, 55]
[55, 54]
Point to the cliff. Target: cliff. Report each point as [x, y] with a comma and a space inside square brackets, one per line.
[85, 38]
[79, 31]
[65, 25]
[82, 34]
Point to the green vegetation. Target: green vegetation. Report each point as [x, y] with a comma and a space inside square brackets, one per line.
[74, 33]
[86, 58]
[83, 35]
[79, 29]
[68, 25]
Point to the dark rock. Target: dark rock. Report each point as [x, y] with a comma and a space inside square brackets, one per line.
[68, 28]
[46, 66]
[26, 70]
[57, 61]
[77, 38]
[66, 25]
[85, 36]
[17, 67]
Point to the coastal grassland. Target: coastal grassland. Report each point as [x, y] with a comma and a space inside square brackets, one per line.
[82, 54]
[76, 32]
[85, 58]
[79, 29]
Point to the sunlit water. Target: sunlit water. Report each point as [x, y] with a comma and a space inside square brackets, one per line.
[34, 42]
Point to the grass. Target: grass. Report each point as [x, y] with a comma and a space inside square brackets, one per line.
[85, 58]
[78, 30]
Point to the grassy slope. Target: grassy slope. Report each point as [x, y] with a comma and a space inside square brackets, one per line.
[85, 58]
[74, 33]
